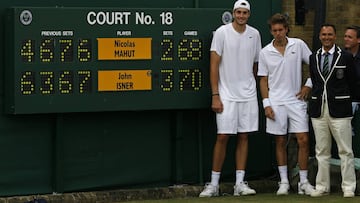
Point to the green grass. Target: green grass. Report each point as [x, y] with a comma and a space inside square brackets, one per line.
[267, 197]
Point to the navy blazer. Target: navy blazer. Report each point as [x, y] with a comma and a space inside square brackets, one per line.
[338, 86]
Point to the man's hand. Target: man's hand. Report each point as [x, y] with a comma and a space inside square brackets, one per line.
[216, 104]
[304, 93]
[269, 113]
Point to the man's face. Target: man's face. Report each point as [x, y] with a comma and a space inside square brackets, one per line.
[327, 37]
[350, 39]
[241, 16]
[278, 31]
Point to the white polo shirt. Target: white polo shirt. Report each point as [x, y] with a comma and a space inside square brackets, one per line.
[239, 52]
[284, 72]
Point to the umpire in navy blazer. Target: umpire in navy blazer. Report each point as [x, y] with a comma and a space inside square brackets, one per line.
[339, 84]
[333, 77]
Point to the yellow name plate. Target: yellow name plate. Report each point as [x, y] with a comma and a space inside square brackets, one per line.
[124, 48]
[124, 80]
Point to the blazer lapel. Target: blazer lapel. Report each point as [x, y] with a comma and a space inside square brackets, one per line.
[318, 60]
[336, 57]
[318, 63]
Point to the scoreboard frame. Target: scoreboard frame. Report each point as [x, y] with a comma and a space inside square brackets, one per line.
[61, 60]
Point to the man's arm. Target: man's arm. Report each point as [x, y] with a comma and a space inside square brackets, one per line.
[216, 103]
[305, 90]
[255, 69]
[264, 90]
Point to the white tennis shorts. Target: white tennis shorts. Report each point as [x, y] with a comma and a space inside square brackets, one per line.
[289, 118]
[238, 117]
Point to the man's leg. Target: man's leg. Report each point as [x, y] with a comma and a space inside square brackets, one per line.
[341, 129]
[323, 154]
[303, 156]
[304, 187]
[303, 152]
[241, 153]
[281, 157]
[212, 189]
[219, 152]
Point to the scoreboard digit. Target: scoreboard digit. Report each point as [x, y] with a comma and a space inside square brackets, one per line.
[62, 60]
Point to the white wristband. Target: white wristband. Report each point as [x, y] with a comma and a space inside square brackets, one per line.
[266, 102]
[308, 83]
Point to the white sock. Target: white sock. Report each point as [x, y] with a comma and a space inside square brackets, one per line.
[239, 176]
[215, 177]
[283, 174]
[303, 176]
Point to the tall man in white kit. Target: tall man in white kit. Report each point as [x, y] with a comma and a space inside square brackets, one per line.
[280, 68]
[233, 66]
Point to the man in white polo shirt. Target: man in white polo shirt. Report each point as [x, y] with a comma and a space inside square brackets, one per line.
[233, 65]
[280, 68]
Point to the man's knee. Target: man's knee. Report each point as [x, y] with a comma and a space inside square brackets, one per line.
[222, 139]
[303, 140]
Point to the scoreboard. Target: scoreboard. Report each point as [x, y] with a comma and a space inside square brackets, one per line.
[63, 59]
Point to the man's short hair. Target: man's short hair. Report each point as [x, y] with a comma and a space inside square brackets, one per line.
[355, 28]
[278, 18]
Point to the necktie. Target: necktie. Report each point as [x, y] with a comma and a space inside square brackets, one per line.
[325, 68]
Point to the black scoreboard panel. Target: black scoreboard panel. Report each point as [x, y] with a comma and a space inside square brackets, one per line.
[108, 59]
